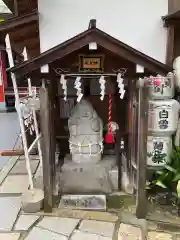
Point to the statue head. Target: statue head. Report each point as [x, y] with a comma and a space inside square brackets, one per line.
[83, 110]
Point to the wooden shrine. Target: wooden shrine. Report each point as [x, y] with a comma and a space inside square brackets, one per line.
[74, 58]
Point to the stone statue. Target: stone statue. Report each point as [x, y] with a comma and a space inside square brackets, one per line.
[86, 134]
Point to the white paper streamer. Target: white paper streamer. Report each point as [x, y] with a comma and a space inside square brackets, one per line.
[27, 116]
[120, 86]
[63, 82]
[77, 85]
[102, 83]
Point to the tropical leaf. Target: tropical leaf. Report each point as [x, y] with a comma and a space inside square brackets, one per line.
[160, 172]
[171, 169]
[160, 184]
[176, 177]
[178, 189]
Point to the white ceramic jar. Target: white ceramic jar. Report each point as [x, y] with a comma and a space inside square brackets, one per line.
[163, 117]
[158, 150]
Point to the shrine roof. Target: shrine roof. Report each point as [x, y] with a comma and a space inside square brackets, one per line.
[102, 39]
[14, 22]
[172, 18]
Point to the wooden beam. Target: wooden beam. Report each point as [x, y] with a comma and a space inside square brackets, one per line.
[45, 126]
[141, 198]
[171, 19]
[18, 21]
[173, 5]
[170, 45]
[25, 6]
[6, 16]
[59, 53]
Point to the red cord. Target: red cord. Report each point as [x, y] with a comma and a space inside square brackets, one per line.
[109, 137]
[110, 112]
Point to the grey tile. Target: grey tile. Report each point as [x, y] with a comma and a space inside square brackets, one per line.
[9, 236]
[78, 235]
[129, 232]
[102, 228]
[64, 226]
[25, 222]
[38, 234]
[9, 129]
[20, 167]
[15, 184]
[9, 209]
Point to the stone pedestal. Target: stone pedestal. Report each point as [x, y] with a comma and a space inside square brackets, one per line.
[89, 177]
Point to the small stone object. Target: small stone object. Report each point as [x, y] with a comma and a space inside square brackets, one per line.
[83, 202]
[32, 200]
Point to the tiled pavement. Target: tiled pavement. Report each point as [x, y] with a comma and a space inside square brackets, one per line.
[67, 225]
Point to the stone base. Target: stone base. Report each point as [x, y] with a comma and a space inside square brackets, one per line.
[89, 177]
[32, 200]
[80, 158]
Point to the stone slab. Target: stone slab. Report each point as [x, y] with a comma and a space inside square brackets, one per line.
[9, 236]
[9, 209]
[87, 177]
[129, 232]
[38, 233]
[108, 162]
[83, 202]
[105, 229]
[159, 236]
[78, 235]
[20, 167]
[15, 184]
[7, 168]
[25, 222]
[63, 226]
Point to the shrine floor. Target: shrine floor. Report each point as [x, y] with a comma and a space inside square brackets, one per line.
[119, 223]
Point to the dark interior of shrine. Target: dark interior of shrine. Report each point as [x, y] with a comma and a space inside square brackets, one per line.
[91, 92]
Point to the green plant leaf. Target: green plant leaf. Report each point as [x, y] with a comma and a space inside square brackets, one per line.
[176, 177]
[160, 184]
[160, 172]
[178, 189]
[171, 169]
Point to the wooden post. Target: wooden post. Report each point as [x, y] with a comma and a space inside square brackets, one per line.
[170, 45]
[52, 110]
[45, 124]
[141, 198]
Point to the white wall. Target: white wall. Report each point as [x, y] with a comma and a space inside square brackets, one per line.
[135, 22]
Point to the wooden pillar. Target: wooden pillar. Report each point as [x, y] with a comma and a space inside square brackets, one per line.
[141, 198]
[170, 45]
[173, 5]
[47, 146]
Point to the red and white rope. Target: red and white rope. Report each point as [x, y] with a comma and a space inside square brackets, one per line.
[110, 112]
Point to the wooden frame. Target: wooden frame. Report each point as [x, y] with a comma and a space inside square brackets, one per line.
[98, 68]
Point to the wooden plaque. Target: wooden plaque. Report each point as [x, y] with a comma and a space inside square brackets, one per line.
[91, 63]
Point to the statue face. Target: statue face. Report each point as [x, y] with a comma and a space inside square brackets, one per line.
[85, 112]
